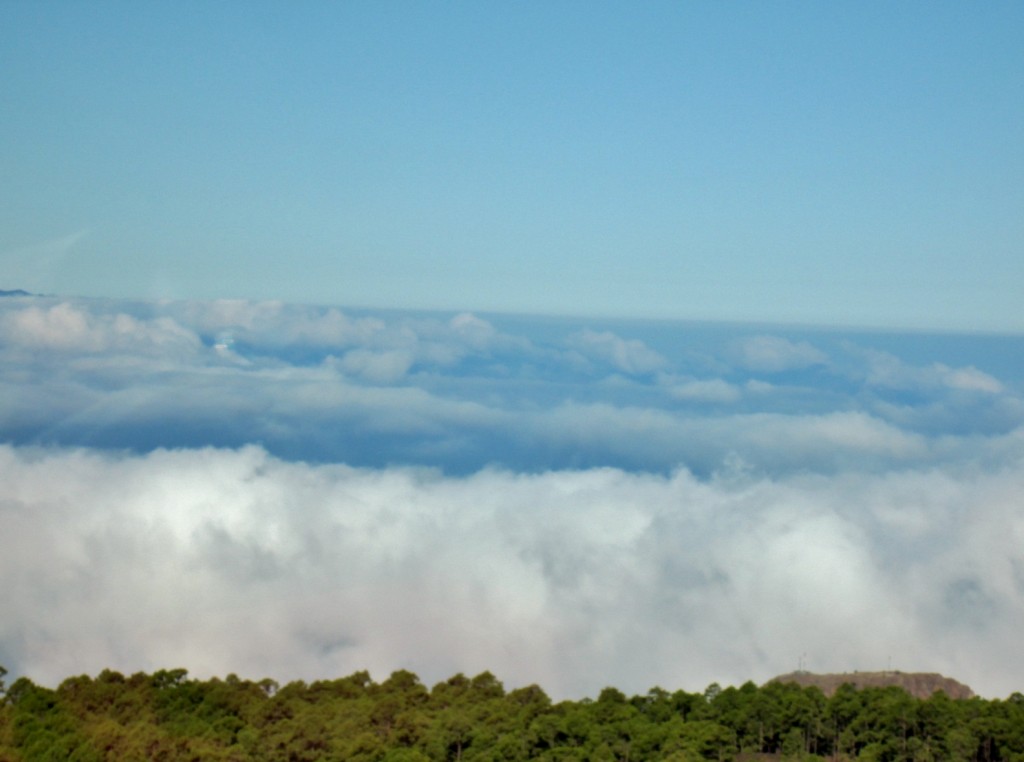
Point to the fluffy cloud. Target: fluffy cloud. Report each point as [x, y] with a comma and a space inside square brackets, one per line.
[630, 356]
[66, 327]
[713, 390]
[886, 370]
[379, 349]
[568, 505]
[774, 354]
[574, 579]
[462, 393]
[276, 324]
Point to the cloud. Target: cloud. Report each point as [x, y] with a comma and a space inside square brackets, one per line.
[574, 579]
[554, 503]
[886, 370]
[476, 331]
[65, 327]
[969, 379]
[774, 354]
[462, 393]
[385, 366]
[301, 331]
[277, 324]
[835, 433]
[713, 390]
[630, 356]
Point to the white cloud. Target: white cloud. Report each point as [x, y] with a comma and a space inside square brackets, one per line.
[969, 379]
[573, 579]
[768, 442]
[774, 354]
[886, 370]
[459, 393]
[833, 433]
[477, 332]
[66, 327]
[714, 390]
[840, 512]
[626, 355]
[274, 324]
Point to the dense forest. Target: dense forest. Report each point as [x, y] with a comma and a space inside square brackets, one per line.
[170, 716]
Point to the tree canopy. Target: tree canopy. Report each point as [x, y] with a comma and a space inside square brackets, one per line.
[170, 716]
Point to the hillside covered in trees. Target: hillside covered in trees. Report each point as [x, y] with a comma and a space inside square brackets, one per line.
[169, 716]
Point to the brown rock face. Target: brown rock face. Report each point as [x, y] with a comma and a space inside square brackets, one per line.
[918, 684]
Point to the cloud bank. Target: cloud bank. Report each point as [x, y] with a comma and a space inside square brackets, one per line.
[462, 393]
[233, 560]
[295, 491]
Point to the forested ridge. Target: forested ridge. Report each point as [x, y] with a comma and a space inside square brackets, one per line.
[169, 716]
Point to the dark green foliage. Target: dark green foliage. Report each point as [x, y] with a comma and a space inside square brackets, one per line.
[43, 727]
[170, 716]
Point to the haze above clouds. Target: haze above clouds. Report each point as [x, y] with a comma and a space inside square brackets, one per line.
[301, 491]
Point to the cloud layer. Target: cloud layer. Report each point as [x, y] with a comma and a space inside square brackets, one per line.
[233, 560]
[298, 491]
[462, 393]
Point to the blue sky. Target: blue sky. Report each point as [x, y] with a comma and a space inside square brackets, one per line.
[838, 164]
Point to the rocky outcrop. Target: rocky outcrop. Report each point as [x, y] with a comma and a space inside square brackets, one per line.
[918, 684]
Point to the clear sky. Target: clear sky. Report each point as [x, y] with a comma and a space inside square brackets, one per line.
[840, 163]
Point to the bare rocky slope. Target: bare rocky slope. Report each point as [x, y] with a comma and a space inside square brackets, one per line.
[918, 684]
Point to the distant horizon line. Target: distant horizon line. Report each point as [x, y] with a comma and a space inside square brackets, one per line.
[774, 323]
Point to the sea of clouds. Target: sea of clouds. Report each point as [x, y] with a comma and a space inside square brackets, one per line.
[302, 492]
